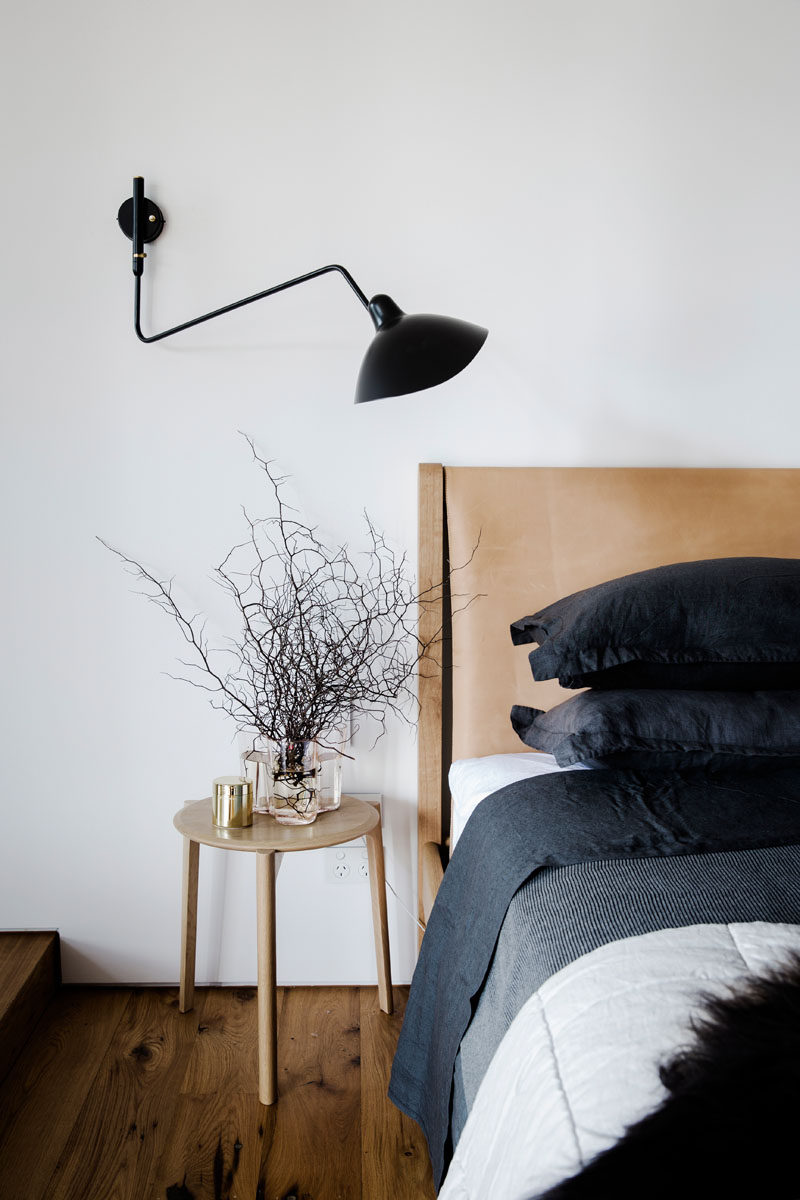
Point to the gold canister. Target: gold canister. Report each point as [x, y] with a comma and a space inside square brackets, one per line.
[232, 802]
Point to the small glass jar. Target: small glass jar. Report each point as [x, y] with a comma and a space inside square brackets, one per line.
[294, 795]
[256, 758]
[331, 758]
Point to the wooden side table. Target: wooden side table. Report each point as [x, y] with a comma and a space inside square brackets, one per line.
[265, 837]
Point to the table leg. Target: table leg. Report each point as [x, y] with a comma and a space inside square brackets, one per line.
[191, 866]
[380, 926]
[267, 977]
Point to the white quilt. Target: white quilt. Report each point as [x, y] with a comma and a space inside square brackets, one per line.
[580, 1061]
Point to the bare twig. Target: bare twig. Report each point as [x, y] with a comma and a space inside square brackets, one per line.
[323, 634]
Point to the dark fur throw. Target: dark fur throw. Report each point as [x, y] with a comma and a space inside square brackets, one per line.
[730, 1126]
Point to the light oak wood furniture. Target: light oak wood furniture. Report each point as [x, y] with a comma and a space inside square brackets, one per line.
[519, 538]
[265, 838]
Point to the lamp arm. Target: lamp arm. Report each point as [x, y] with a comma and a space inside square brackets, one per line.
[280, 287]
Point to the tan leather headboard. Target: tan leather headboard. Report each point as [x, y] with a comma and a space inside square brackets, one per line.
[547, 532]
[544, 533]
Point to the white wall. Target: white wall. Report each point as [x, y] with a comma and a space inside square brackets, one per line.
[612, 187]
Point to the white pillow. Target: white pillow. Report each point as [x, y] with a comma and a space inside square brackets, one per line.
[473, 779]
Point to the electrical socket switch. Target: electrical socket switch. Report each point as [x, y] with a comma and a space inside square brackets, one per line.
[346, 864]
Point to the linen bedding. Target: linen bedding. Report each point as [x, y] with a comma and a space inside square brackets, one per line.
[714, 848]
[580, 1061]
[562, 913]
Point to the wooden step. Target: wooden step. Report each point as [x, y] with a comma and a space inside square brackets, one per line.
[30, 973]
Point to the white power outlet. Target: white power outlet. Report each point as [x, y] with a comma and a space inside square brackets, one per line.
[346, 864]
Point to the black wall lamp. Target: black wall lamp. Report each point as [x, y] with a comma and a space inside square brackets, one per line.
[409, 352]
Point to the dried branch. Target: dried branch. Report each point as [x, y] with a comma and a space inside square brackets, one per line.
[324, 634]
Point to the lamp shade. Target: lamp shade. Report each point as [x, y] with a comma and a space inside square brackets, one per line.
[410, 352]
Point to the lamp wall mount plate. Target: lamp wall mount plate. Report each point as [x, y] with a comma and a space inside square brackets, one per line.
[410, 352]
[153, 220]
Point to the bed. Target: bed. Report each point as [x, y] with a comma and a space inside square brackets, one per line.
[557, 873]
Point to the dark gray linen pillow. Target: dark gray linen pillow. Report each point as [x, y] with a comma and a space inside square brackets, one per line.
[721, 624]
[652, 729]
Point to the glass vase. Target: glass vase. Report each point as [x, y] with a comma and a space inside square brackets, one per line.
[294, 795]
[331, 758]
[256, 756]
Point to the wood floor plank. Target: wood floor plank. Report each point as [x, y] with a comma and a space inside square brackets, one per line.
[214, 1146]
[395, 1153]
[121, 1129]
[315, 1147]
[47, 1085]
[225, 1053]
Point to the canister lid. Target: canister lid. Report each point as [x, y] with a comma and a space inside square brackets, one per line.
[233, 787]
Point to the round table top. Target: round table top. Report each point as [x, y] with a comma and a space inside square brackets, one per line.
[352, 819]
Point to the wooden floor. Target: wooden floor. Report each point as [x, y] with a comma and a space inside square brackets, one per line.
[118, 1096]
